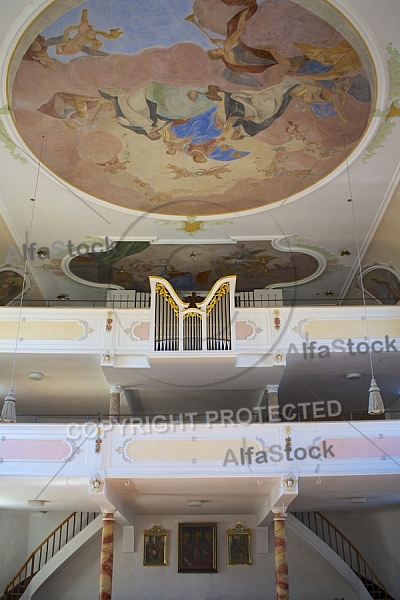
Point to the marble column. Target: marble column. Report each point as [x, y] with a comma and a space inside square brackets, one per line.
[281, 567]
[273, 403]
[115, 403]
[106, 557]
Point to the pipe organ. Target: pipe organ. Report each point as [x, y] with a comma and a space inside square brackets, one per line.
[192, 326]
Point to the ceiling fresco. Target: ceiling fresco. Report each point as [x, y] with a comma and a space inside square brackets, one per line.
[12, 284]
[196, 267]
[198, 108]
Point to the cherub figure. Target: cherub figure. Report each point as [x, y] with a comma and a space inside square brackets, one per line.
[214, 172]
[114, 165]
[179, 172]
[85, 37]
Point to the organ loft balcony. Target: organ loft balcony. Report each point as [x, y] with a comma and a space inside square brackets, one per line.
[200, 352]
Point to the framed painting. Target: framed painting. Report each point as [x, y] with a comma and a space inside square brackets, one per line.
[238, 545]
[155, 547]
[197, 552]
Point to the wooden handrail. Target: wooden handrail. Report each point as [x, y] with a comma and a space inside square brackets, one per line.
[16, 580]
[360, 557]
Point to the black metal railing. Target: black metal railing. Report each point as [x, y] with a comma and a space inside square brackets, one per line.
[58, 418]
[142, 301]
[222, 418]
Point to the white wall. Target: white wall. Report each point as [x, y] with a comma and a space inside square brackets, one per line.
[13, 546]
[311, 577]
[41, 525]
[376, 534]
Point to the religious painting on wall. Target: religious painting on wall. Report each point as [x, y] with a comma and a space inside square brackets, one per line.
[155, 547]
[185, 107]
[238, 544]
[197, 552]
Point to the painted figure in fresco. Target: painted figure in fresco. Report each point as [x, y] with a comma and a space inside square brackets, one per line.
[85, 38]
[185, 118]
[237, 257]
[213, 172]
[205, 132]
[336, 70]
[388, 291]
[147, 110]
[10, 286]
[74, 109]
[37, 51]
[255, 111]
[239, 58]
[180, 280]
[325, 101]
[114, 165]
[329, 63]
[216, 172]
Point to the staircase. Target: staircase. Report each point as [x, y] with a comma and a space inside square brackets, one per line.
[58, 538]
[342, 546]
[18, 590]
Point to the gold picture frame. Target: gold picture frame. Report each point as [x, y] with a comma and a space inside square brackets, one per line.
[238, 544]
[155, 547]
[197, 552]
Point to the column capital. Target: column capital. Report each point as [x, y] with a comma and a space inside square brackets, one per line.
[278, 514]
[116, 389]
[108, 514]
[273, 388]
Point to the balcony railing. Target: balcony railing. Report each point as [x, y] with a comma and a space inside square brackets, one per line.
[242, 300]
[43, 418]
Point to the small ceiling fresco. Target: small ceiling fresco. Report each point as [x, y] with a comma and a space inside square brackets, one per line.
[12, 284]
[199, 108]
[196, 267]
[381, 283]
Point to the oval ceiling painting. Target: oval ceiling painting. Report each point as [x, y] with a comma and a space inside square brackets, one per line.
[178, 107]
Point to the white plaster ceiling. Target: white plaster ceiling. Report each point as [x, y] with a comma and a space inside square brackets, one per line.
[230, 495]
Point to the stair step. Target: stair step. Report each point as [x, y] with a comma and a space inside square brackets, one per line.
[375, 590]
[18, 590]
